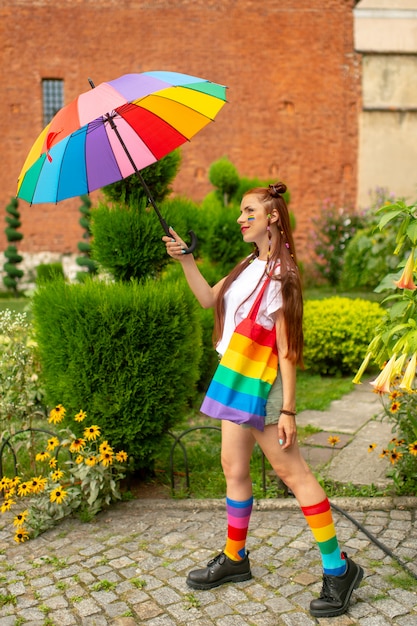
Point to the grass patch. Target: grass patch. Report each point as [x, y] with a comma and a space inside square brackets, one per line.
[315, 392]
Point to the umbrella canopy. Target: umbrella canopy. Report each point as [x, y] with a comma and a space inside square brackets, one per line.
[114, 130]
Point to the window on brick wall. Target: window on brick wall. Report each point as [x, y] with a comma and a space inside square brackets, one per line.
[52, 97]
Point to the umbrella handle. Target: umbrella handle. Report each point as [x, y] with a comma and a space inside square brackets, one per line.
[193, 243]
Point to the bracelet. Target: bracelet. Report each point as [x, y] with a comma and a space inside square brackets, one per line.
[285, 412]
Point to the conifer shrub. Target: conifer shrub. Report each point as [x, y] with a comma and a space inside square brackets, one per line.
[127, 354]
[45, 272]
[337, 332]
[12, 272]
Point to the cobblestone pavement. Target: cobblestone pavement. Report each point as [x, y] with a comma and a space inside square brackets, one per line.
[129, 566]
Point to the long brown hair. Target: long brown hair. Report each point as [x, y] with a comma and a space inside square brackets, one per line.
[284, 252]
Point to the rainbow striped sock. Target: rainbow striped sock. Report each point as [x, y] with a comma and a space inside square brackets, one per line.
[319, 518]
[238, 516]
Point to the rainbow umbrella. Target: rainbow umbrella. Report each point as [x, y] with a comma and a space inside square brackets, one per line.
[114, 130]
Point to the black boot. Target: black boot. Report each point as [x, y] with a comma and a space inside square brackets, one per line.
[336, 591]
[220, 570]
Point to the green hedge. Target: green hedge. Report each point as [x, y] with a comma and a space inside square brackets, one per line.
[126, 354]
[337, 332]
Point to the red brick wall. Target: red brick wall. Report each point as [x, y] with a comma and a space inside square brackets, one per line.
[293, 93]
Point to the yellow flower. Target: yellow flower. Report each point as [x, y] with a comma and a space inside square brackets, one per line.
[21, 535]
[91, 433]
[77, 445]
[57, 414]
[24, 489]
[121, 456]
[53, 443]
[4, 483]
[409, 374]
[42, 456]
[38, 484]
[15, 481]
[384, 453]
[381, 383]
[10, 493]
[53, 463]
[406, 279]
[79, 459]
[104, 447]
[57, 475]
[364, 365]
[395, 394]
[90, 461]
[20, 518]
[333, 440]
[371, 447]
[395, 456]
[58, 495]
[106, 458]
[395, 407]
[412, 448]
[7, 505]
[81, 415]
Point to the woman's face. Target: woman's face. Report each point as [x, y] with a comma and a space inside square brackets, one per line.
[253, 220]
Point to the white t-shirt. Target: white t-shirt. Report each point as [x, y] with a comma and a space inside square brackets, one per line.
[237, 293]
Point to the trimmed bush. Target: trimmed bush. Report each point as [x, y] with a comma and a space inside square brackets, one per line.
[126, 354]
[45, 272]
[337, 333]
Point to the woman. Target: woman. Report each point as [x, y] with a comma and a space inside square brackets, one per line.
[264, 221]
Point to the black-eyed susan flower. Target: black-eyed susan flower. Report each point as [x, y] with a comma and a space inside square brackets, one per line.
[42, 456]
[10, 493]
[57, 414]
[56, 475]
[121, 456]
[90, 460]
[395, 407]
[38, 484]
[79, 459]
[20, 518]
[394, 395]
[53, 462]
[4, 483]
[333, 440]
[81, 415]
[384, 453]
[412, 448]
[7, 505]
[371, 447]
[104, 447]
[24, 489]
[14, 482]
[53, 443]
[106, 458]
[395, 456]
[92, 432]
[21, 535]
[58, 495]
[77, 445]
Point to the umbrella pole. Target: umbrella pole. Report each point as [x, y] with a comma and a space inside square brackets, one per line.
[164, 225]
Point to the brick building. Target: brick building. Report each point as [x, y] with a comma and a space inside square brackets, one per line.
[290, 66]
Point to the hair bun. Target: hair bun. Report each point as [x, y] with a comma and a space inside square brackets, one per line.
[277, 189]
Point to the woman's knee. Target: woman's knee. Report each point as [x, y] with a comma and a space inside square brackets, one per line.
[234, 469]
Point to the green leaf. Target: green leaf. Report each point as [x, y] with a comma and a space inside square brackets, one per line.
[391, 215]
[412, 232]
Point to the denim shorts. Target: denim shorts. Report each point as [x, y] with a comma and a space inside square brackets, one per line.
[274, 402]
